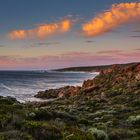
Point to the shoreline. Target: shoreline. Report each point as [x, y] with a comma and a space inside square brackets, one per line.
[31, 98]
[83, 70]
[73, 85]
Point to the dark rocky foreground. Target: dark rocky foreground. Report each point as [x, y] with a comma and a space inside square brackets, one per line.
[104, 108]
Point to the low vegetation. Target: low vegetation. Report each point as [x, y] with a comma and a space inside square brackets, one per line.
[104, 108]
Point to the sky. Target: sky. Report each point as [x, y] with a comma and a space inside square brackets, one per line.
[51, 34]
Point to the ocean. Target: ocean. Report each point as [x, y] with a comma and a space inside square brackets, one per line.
[23, 85]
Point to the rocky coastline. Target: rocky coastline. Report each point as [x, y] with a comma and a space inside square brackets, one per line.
[104, 108]
[90, 84]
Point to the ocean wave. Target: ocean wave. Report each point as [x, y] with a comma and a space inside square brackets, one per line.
[5, 86]
[23, 85]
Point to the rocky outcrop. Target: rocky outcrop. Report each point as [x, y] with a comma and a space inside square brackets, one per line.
[115, 76]
[88, 83]
[63, 92]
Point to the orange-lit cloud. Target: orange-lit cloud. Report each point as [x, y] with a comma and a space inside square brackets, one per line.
[118, 14]
[65, 25]
[42, 31]
[17, 34]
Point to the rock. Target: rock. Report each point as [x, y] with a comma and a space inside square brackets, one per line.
[90, 88]
[137, 76]
[63, 92]
[110, 70]
[88, 83]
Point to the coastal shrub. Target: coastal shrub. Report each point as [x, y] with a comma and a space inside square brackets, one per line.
[4, 119]
[74, 133]
[32, 124]
[91, 103]
[48, 132]
[18, 106]
[15, 135]
[84, 121]
[40, 114]
[136, 103]
[31, 115]
[58, 122]
[115, 121]
[43, 131]
[100, 113]
[6, 101]
[134, 120]
[135, 138]
[120, 133]
[115, 91]
[98, 134]
[137, 131]
[101, 126]
[79, 137]
[2, 137]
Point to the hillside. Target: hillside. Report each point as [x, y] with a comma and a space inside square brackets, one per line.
[93, 68]
[104, 108]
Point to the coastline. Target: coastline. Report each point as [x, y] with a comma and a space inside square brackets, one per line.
[106, 107]
[23, 85]
[97, 68]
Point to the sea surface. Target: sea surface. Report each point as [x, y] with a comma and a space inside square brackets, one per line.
[23, 85]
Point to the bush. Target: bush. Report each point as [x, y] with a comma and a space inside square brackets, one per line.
[134, 120]
[79, 137]
[136, 103]
[43, 131]
[98, 134]
[15, 135]
[4, 119]
[32, 124]
[118, 134]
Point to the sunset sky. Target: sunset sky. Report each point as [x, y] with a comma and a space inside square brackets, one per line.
[49, 34]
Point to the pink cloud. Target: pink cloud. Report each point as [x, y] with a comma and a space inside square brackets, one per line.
[110, 52]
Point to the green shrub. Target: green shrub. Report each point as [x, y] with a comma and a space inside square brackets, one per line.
[15, 135]
[98, 134]
[43, 131]
[4, 119]
[134, 120]
[32, 124]
[118, 134]
[79, 137]
[136, 103]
